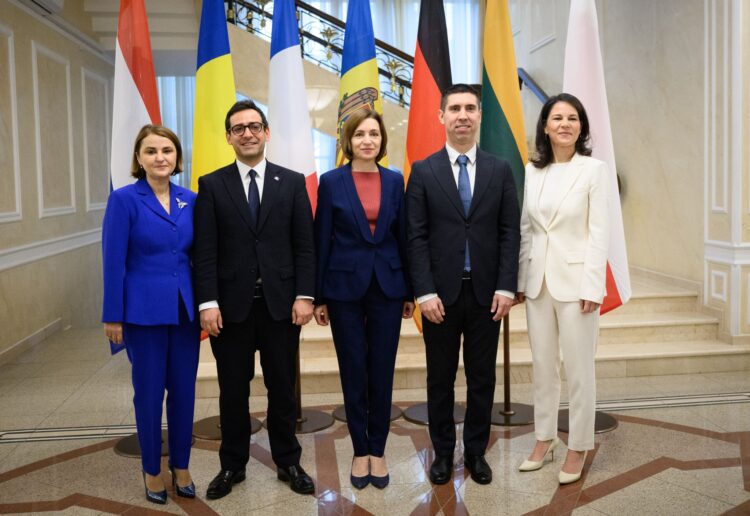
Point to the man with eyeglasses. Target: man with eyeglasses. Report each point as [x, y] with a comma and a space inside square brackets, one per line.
[254, 267]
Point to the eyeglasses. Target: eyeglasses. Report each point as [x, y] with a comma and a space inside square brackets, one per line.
[239, 129]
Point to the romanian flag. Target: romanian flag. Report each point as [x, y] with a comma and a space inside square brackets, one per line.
[432, 75]
[214, 93]
[502, 132]
[292, 143]
[360, 86]
[135, 98]
[583, 77]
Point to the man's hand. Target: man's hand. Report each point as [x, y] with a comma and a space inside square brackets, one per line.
[302, 311]
[589, 306]
[433, 310]
[211, 321]
[500, 306]
[113, 331]
[321, 315]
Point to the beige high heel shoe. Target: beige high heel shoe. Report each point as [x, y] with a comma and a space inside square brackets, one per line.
[533, 465]
[569, 478]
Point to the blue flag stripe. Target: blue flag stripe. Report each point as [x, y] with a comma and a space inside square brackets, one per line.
[213, 39]
[284, 34]
[359, 37]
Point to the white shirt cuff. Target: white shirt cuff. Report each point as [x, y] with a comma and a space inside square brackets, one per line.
[506, 293]
[207, 305]
[426, 297]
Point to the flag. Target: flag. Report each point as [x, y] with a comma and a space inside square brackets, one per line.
[431, 75]
[135, 101]
[583, 77]
[291, 145]
[502, 132]
[214, 93]
[360, 85]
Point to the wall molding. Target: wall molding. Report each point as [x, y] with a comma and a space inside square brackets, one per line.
[29, 253]
[719, 285]
[38, 49]
[16, 214]
[15, 350]
[90, 74]
[727, 253]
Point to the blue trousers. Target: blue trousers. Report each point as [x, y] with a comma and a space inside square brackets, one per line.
[365, 334]
[164, 357]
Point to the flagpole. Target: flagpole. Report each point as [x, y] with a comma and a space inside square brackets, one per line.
[507, 413]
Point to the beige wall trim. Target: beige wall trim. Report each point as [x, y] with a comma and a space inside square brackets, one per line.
[21, 255]
[10, 216]
[12, 352]
[67, 30]
[662, 277]
[93, 206]
[37, 49]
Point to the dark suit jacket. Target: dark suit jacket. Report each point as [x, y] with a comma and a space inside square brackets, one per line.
[230, 254]
[437, 228]
[146, 256]
[347, 251]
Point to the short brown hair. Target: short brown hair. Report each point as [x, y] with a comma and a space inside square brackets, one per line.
[350, 126]
[135, 168]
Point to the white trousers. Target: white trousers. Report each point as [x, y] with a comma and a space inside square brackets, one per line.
[554, 326]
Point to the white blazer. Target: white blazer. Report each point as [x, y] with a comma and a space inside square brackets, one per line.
[570, 250]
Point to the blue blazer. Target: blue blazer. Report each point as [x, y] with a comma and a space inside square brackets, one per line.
[146, 255]
[347, 251]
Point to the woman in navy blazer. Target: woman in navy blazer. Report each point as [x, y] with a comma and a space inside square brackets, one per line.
[362, 285]
[147, 239]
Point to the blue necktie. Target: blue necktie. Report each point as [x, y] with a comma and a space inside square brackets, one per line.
[253, 199]
[464, 191]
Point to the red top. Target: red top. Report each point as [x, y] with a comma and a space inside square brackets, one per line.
[368, 189]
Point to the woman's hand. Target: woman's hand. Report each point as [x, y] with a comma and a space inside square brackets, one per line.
[520, 298]
[408, 310]
[113, 331]
[321, 315]
[588, 307]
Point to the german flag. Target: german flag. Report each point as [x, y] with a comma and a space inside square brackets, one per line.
[432, 75]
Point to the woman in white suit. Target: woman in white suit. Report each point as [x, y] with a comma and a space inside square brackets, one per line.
[562, 271]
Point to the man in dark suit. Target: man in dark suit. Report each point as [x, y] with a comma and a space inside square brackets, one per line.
[463, 234]
[254, 268]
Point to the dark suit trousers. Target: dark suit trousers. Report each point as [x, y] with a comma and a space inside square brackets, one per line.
[164, 357]
[366, 333]
[442, 342]
[234, 350]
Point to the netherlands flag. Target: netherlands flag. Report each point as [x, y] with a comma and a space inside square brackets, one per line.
[584, 78]
[135, 98]
[291, 143]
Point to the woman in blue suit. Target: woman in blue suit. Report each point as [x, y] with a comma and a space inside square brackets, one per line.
[147, 238]
[362, 285]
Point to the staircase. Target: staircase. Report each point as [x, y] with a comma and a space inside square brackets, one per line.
[660, 331]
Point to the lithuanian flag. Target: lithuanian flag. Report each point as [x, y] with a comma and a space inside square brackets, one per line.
[502, 132]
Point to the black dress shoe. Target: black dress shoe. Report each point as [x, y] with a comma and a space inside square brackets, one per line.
[481, 473]
[441, 469]
[299, 481]
[222, 483]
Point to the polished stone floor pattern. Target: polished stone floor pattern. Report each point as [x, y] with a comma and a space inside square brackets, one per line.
[681, 447]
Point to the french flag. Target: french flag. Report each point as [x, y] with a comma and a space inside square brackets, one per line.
[135, 98]
[583, 77]
[291, 143]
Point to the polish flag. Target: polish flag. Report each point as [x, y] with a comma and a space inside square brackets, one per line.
[291, 143]
[584, 78]
[135, 98]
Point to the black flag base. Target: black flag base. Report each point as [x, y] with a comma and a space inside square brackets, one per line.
[209, 428]
[603, 422]
[417, 414]
[130, 447]
[512, 414]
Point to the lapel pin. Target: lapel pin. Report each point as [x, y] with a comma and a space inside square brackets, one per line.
[276, 178]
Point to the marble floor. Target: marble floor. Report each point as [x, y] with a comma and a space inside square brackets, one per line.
[681, 447]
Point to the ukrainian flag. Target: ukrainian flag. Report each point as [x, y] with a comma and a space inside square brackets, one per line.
[360, 86]
[214, 93]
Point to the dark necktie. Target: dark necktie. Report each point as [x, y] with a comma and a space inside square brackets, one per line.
[464, 191]
[253, 199]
